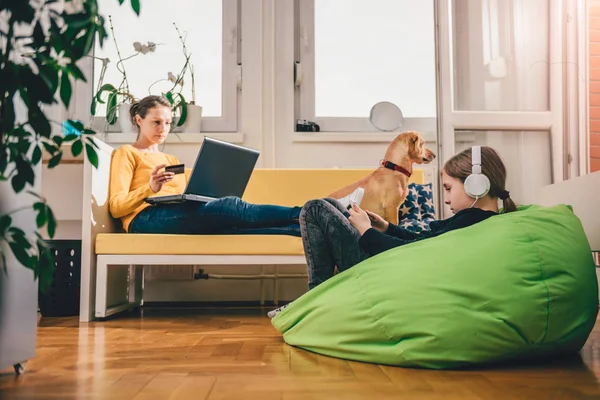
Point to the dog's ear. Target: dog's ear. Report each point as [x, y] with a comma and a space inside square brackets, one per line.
[414, 147]
[414, 140]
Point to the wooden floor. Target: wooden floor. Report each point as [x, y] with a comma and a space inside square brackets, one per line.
[237, 354]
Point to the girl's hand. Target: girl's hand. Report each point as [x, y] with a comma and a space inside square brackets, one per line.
[158, 179]
[359, 219]
[378, 223]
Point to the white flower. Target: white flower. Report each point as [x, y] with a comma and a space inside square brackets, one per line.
[172, 78]
[144, 48]
[62, 60]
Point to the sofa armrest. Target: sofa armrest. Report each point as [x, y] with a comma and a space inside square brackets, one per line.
[582, 193]
[95, 219]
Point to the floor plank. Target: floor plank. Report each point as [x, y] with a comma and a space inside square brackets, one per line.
[236, 354]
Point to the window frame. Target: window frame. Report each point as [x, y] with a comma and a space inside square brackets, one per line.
[566, 107]
[304, 82]
[231, 79]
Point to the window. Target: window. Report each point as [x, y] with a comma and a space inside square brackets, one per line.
[352, 54]
[211, 32]
[500, 86]
[501, 55]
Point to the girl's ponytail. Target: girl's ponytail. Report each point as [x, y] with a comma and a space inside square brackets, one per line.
[508, 204]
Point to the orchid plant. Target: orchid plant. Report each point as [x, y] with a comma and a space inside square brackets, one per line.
[187, 59]
[122, 94]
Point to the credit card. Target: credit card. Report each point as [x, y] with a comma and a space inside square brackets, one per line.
[176, 169]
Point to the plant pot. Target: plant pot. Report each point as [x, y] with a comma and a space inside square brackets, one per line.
[193, 123]
[124, 120]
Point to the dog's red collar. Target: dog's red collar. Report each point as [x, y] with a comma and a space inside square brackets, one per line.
[394, 167]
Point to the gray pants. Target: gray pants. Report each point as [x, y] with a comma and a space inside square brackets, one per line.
[329, 240]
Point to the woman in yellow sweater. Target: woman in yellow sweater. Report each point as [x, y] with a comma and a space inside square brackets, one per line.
[137, 172]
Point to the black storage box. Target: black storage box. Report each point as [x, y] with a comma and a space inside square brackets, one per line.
[61, 298]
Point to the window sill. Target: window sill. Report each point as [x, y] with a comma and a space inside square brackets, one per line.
[175, 137]
[352, 137]
[128, 138]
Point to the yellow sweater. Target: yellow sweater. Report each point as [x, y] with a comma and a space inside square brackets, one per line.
[130, 172]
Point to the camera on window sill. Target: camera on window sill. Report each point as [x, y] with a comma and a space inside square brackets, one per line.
[303, 125]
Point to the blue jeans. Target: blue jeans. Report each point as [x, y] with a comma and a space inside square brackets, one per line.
[329, 240]
[228, 215]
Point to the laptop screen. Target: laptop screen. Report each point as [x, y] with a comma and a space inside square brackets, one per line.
[221, 169]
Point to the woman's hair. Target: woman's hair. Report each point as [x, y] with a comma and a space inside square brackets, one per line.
[460, 167]
[141, 108]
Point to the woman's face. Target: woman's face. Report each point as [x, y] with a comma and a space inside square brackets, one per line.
[156, 125]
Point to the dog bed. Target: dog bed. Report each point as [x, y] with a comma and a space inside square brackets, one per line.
[518, 285]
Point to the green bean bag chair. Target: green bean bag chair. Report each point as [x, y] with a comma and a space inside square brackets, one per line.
[518, 285]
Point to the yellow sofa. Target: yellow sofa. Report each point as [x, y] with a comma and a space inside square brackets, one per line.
[112, 261]
[289, 187]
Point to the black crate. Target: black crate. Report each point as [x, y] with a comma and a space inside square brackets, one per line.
[61, 298]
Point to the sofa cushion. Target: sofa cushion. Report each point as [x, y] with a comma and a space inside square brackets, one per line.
[418, 210]
[132, 243]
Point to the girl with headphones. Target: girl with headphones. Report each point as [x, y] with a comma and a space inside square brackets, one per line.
[482, 185]
[473, 181]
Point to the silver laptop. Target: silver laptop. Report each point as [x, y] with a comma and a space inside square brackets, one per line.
[221, 169]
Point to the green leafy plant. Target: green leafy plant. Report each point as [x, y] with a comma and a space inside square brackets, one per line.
[41, 42]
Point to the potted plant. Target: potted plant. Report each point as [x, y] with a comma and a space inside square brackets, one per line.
[174, 95]
[193, 121]
[119, 98]
[41, 43]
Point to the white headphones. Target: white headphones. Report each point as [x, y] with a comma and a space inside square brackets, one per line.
[477, 184]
